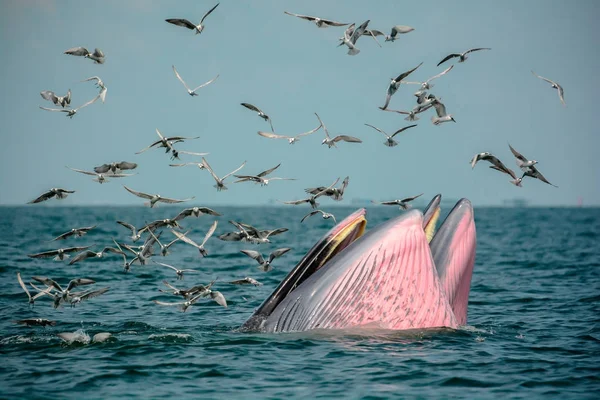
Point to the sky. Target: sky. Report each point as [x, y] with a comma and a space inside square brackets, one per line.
[292, 69]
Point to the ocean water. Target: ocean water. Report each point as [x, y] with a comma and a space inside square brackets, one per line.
[533, 329]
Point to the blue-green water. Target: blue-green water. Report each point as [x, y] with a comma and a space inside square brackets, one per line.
[534, 316]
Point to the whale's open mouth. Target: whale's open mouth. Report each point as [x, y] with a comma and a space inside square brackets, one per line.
[392, 264]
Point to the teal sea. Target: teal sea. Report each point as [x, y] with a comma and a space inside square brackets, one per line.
[533, 328]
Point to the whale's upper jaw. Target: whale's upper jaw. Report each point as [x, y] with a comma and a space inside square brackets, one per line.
[336, 240]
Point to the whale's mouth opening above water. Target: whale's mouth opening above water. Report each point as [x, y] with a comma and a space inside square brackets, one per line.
[346, 278]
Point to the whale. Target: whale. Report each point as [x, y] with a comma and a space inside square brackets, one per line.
[403, 274]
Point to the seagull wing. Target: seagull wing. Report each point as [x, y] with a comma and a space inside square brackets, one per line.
[206, 83]
[476, 49]
[323, 125]
[166, 265]
[251, 107]
[377, 129]
[208, 13]
[138, 194]
[440, 108]
[346, 138]
[518, 155]
[310, 214]
[54, 109]
[271, 135]
[163, 303]
[234, 171]
[45, 196]
[83, 172]
[255, 255]
[102, 169]
[402, 129]
[407, 73]
[390, 203]
[296, 202]
[358, 31]
[278, 253]
[181, 22]
[185, 239]
[440, 74]
[504, 170]
[447, 58]
[128, 226]
[180, 78]
[79, 282]
[333, 23]
[82, 256]
[210, 232]
[175, 201]
[561, 94]
[309, 132]
[23, 285]
[88, 103]
[93, 293]
[268, 171]
[49, 95]
[406, 200]
[306, 17]
[77, 51]
[209, 169]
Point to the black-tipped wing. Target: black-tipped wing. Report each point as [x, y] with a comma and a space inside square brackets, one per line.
[447, 58]
[407, 73]
[208, 12]
[181, 22]
[403, 129]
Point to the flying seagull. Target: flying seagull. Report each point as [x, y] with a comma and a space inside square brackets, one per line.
[522, 162]
[442, 116]
[196, 212]
[336, 194]
[395, 84]
[166, 142]
[220, 185]
[320, 22]
[390, 142]
[528, 167]
[246, 281]
[265, 265]
[54, 192]
[179, 272]
[97, 55]
[76, 232]
[92, 254]
[155, 198]
[164, 248]
[135, 235]
[331, 142]
[36, 322]
[71, 111]
[59, 254]
[555, 85]
[192, 92]
[64, 101]
[427, 85]
[260, 113]
[290, 139]
[351, 36]
[100, 85]
[496, 164]
[402, 203]
[262, 177]
[115, 167]
[314, 212]
[312, 200]
[187, 24]
[398, 29]
[462, 56]
[100, 178]
[33, 298]
[200, 247]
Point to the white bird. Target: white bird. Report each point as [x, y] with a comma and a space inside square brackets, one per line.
[320, 22]
[556, 86]
[442, 116]
[325, 215]
[135, 235]
[54, 192]
[64, 101]
[200, 247]
[192, 92]
[155, 198]
[336, 194]
[265, 265]
[166, 142]
[100, 178]
[398, 29]
[164, 248]
[331, 142]
[196, 212]
[390, 142]
[260, 113]
[262, 178]
[351, 38]
[92, 254]
[97, 55]
[77, 232]
[427, 85]
[72, 111]
[220, 184]
[187, 24]
[403, 204]
[33, 298]
[179, 272]
[395, 84]
[59, 254]
[290, 139]
[115, 167]
[462, 56]
[100, 85]
[246, 281]
[312, 200]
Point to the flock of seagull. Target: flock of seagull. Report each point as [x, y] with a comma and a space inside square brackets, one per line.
[152, 233]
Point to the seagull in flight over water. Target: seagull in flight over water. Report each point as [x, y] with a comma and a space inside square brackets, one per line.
[187, 24]
[220, 185]
[192, 92]
[395, 84]
[54, 192]
[156, 198]
[331, 142]
[402, 203]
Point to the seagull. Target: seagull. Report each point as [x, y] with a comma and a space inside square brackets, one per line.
[100, 85]
[64, 101]
[253, 235]
[331, 142]
[135, 235]
[246, 281]
[220, 185]
[561, 92]
[390, 142]
[402, 203]
[290, 139]
[36, 322]
[528, 168]
[312, 199]
[260, 113]
[196, 212]
[164, 249]
[261, 177]
[440, 108]
[78, 297]
[522, 162]
[496, 164]
[533, 173]
[410, 115]
[32, 299]
[197, 164]
[115, 167]
[426, 85]
[351, 36]
[143, 254]
[462, 56]
[166, 142]
[335, 193]
[192, 92]
[58, 192]
[395, 84]
[92, 254]
[155, 198]
[100, 178]
[63, 294]
[175, 155]
[159, 223]
[215, 295]
[398, 29]
[320, 22]
[186, 293]
[325, 215]
[77, 232]
[179, 272]
[265, 265]
[187, 24]
[200, 247]
[97, 55]
[71, 111]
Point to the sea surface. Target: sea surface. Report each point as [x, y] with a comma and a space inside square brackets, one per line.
[533, 329]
